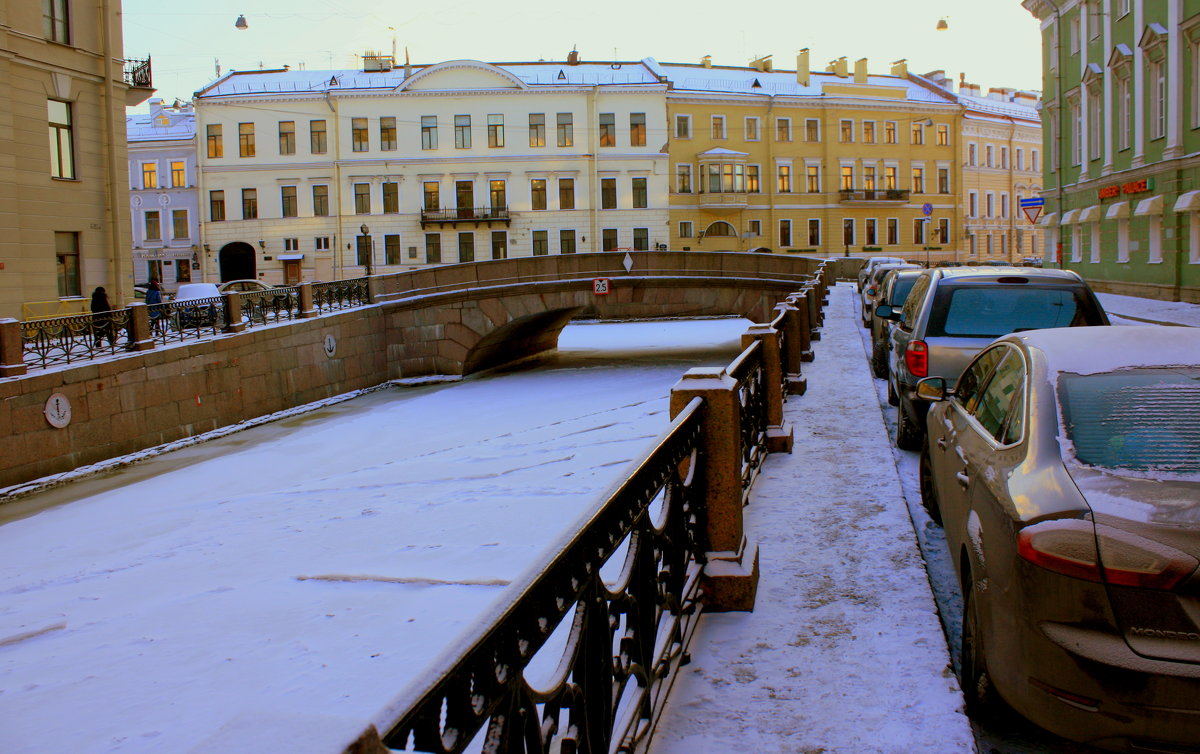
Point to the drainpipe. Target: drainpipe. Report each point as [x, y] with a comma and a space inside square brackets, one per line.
[1058, 131]
[593, 177]
[338, 258]
[116, 253]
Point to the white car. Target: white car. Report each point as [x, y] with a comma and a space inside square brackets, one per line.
[188, 291]
[872, 263]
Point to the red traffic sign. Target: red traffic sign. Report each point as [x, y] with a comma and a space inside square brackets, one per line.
[600, 286]
[1032, 213]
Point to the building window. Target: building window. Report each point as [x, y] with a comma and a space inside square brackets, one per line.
[360, 141]
[387, 134]
[718, 126]
[889, 178]
[814, 232]
[1124, 112]
[683, 126]
[847, 177]
[784, 179]
[754, 227]
[433, 248]
[990, 154]
[868, 132]
[752, 184]
[918, 180]
[321, 243]
[287, 137]
[641, 239]
[362, 198]
[432, 193]
[868, 174]
[317, 142]
[725, 177]
[178, 174]
[216, 206]
[566, 242]
[919, 230]
[1004, 154]
[943, 231]
[683, 179]
[391, 198]
[783, 129]
[889, 132]
[847, 132]
[1020, 159]
[66, 253]
[972, 204]
[972, 154]
[943, 180]
[462, 131]
[918, 133]
[537, 129]
[495, 125]
[216, 144]
[639, 193]
[990, 204]
[152, 226]
[848, 231]
[812, 130]
[1004, 205]
[1074, 34]
[249, 204]
[685, 230]
[893, 231]
[608, 130]
[608, 193]
[246, 139]
[1033, 161]
[429, 139]
[869, 228]
[566, 193]
[62, 139]
[287, 200]
[537, 193]
[499, 244]
[637, 129]
[466, 247]
[541, 243]
[608, 239]
[497, 194]
[391, 249]
[320, 199]
[1157, 84]
[943, 135]
[751, 129]
[149, 175]
[55, 25]
[291, 244]
[566, 129]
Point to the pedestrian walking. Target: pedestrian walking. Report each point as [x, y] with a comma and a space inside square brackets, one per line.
[101, 319]
[154, 296]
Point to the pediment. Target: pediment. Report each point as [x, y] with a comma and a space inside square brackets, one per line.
[457, 75]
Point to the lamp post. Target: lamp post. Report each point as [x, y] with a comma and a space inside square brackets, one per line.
[364, 240]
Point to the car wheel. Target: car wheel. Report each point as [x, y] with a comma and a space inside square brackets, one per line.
[879, 362]
[980, 695]
[908, 435]
[893, 398]
[928, 494]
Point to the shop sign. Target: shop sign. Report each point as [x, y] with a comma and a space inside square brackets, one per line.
[1132, 187]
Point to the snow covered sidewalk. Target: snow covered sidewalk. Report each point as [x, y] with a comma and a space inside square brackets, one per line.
[844, 651]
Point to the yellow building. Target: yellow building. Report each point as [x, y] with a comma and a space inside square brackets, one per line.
[64, 203]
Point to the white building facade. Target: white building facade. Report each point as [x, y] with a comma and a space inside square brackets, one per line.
[322, 175]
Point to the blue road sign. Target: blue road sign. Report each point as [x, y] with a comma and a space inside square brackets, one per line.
[927, 208]
[1034, 202]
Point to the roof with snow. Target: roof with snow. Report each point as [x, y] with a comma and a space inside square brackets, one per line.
[162, 124]
[1005, 108]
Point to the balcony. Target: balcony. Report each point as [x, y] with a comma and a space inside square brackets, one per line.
[723, 200]
[873, 196]
[138, 78]
[459, 215]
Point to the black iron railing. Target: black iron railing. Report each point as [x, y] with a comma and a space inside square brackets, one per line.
[77, 337]
[749, 372]
[465, 214]
[138, 73]
[177, 321]
[340, 294]
[626, 636]
[265, 307]
[874, 195]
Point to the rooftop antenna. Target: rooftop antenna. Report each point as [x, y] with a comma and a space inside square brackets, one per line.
[217, 65]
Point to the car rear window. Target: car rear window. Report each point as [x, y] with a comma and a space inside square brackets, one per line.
[989, 311]
[900, 290]
[1138, 419]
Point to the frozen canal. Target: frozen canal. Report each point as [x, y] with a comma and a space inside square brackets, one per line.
[315, 564]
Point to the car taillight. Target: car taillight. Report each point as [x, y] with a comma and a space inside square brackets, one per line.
[916, 358]
[1100, 553]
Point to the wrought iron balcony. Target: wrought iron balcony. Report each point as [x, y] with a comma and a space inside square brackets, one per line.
[466, 215]
[138, 73]
[874, 195]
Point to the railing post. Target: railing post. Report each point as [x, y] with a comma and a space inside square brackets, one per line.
[793, 340]
[779, 432]
[812, 295]
[730, 580]
[233, 312]
[375, 289]
[12, 349]
[307, 310]
[800, 301]
[140, 337]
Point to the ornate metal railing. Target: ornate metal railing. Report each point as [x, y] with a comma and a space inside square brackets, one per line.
[138, 73]
[78, 337]
[625, 639]
[192, 319]
[874, 195]
[465, 214]
[749, 371]
[340, 294]
[265, 307]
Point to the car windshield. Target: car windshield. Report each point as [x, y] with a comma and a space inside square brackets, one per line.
[1139, 419]
[989, 311]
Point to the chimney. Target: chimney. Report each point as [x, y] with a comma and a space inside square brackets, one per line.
[839, 68]
[706, 61]
[156, 106]
[762, 64]
[971, 90]
[573, 57]
[802, 67]
[900, 68]
[860, 71]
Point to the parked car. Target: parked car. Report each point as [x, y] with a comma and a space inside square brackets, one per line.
[870, 292]
[870, 265]
[1032, 262]
[201, 314]
[1065, 467]
[244, 286]
[894, 290]
[952, 312]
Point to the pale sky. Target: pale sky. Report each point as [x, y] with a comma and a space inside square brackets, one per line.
[994, 42]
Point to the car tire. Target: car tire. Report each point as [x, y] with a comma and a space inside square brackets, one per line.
[928, 494]
[979, 693]
[908, 435]
[879, 362]
[893, 398]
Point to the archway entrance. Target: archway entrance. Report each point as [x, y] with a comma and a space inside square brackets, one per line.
[720, 229]
[237, 262]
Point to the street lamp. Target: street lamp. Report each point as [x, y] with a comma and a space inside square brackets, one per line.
[364, 240]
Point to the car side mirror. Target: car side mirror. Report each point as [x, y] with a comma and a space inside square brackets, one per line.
[887, 311]
[871, 291]
[932, 389]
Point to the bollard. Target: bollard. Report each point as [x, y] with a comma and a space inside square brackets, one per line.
[140, 337]
[730, 579]
[12, 349]
[796, 382]
[233, 313]
[779, 432]
[307, 310]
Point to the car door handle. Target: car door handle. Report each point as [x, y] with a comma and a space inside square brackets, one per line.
[963, 479]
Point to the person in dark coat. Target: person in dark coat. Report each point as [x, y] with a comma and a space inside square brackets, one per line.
[154, 296]
[101, 320]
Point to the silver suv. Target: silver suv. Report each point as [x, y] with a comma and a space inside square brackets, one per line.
[953, 312]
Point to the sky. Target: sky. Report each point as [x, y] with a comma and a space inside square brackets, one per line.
[995, 43]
